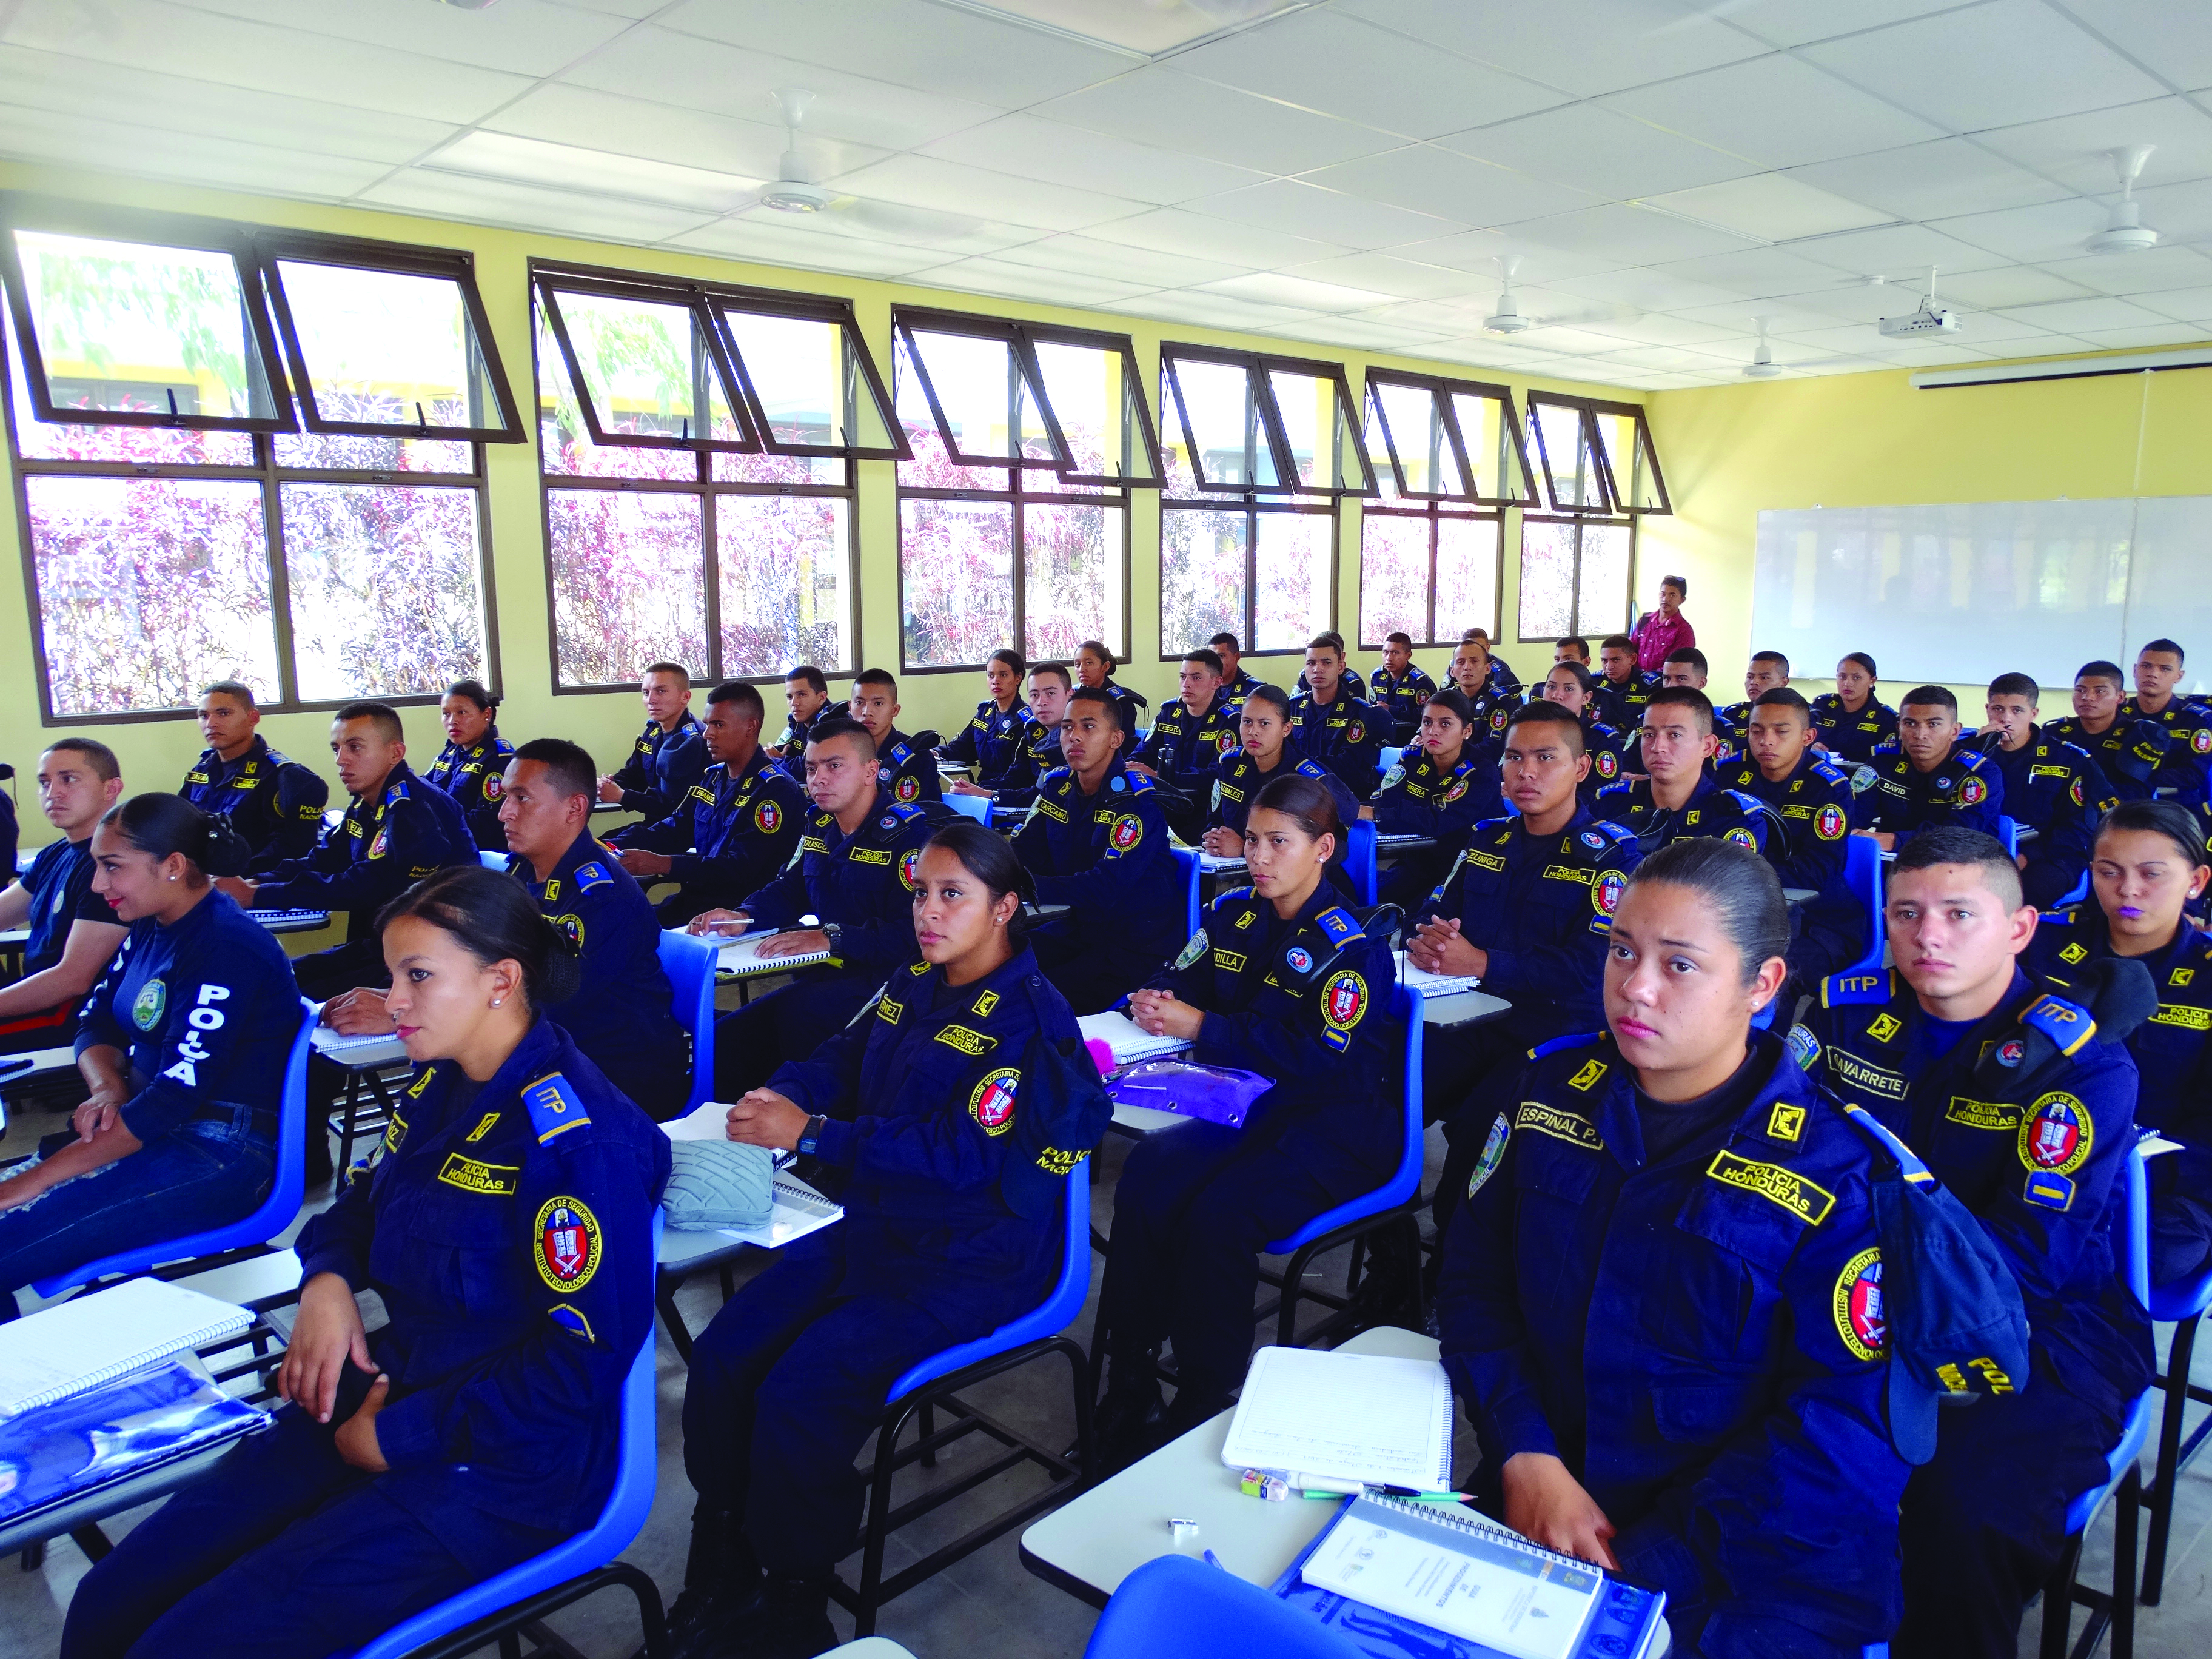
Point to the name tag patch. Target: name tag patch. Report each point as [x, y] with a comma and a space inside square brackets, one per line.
[497, 1180]
[967, 1041]
[1851, 1069]
[1807, 1200]
[1570, 1127]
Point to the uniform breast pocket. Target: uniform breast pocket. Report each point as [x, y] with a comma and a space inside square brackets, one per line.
[1722, 1286]
[1550, 1183]
[468, 1243]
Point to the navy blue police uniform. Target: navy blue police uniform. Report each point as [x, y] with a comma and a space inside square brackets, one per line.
[204, 1009]
[790, 749]
[621, 1016]
[663, 764]
[1682, 1303]
[1184, 751]
[1239, 780]
[1418, 797]
[2186, 773]
[1037, 754]
[1852, 737]
[2172, 1050]
[909, 774]
[386, 843]
[1345, 735]
[1731, 815]
[1306, 1002]
[862, 885]
[1127, 707]
[991, 742]
[1619, 703]
[1242, 687]
[475, 776]
[1492, 707]
[508, 1229]
[1809, 845]
[1106, 854]
[2059, 791]
[729, 835]
[923, 1099]
[59, 886]
[1966, 790]
[274, 803]
[2026, 1117]
[1610, 750]
[2131, 753]
[1402, 696]
[1348, 679]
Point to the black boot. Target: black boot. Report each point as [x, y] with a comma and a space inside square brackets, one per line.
[1128, 1424]
[788, 1617]
[720, 1577]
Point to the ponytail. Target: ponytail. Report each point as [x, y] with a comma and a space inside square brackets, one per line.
[162, 826]
[493, 917]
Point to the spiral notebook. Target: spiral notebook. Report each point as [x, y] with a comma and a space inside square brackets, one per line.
[1365, 1417]
[91, 1339]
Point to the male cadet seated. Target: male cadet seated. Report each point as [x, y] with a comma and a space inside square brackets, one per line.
[74, 934]
[849, 892]
[1622, 686]
[1097, 842]
[2186, 722]
[1039, 750]
[1677, 796]
[1524, 910]
[182, 1047]
[1571, 648]
[806, 698]
[732, 830]
[1474, 675]
[1935, 779]
[1570, 685]
[1266, 751]
[1850, 723]
[507, 1228]
[1182, 751]
[1441, 787]
[2021, 1102]
[1283, 981]
[274, 803]
[1686, 666]
[2050, 785]
[1661, 1302]
[1769, 671]
[473, 766]
[621, 1017]
[1807, 840]
[1400, 689]
[1349, 680]
[2149, 863]
[2130, 752]
[1236, 680]
[908, 775]
[1094, 667]
[991, 742]
[1331, 725]
[669, 755]
[946, 1120]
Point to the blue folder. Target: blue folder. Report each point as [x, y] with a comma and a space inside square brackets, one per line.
[54, 1454]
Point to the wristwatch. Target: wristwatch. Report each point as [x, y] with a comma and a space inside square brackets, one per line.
[811, 1138]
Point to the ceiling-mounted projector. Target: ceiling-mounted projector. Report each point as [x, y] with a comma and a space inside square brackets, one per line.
[1930, 319]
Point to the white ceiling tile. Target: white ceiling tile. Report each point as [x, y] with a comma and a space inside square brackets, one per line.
[1087, 255]
[2008, 285]
[1156, 27]
[1432, 180]
[1990, 65]
[1371, 335]
[2187, 305]
[1631, 232]
[1386, 273]
[1858, 339]
[1740, 317]
[1658, 357]
[950, 234]
[985, 275]
[1795, 23]
[1299, 208]
[1210, 310]
[1756, 273]
[2175, 210]
[1932, 355]
[532, 207]
[1585, 46]
[527, 37]
[907, 43]
[1642, 288]
[632, 8]
[2175, 40]
[705, 75]
[1173, 230]
[2048, 231]
[2132, 274]
[46, 80]
[1991, 328]
[1157, 105]
[1776, 109]
[78, 141]
[2075, 316]
[1770, 206]
[1480, 251]
[2073, 149]
[565, 166]
[1595, 150]
[1870, 303]
[1948, 177]
[1273, 287]
[767, 238]
[924, 182]
[1898, 251]
[1033, 147]
[1326, 61]
[1662, 329]
[565, 114]
[2143, 339]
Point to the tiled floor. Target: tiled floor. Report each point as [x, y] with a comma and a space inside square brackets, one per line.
[988, 1606]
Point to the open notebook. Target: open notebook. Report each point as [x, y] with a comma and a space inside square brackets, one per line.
[94, 1339]
[1432, 985]
[741, 955]
[1129, 1043]
[1365, 1417]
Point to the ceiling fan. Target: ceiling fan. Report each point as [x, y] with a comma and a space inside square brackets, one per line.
[2126, 233]
[1762, 366]
[793, 190]
[1507, 319]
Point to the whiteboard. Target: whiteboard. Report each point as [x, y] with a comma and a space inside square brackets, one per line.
[1957, 593]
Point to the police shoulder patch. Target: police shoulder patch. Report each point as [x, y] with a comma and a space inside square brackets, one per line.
[2055, 1134]
[1195, 948]
[568, 1244]
[1861, 1320]
[2066, 1024]
[1804, 1048]
[992, 1104]
[554, 1108]
[1313, 768]
[1494, 1154]
[591, 875]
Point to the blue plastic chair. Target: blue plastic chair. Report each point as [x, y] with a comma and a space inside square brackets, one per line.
[1863, 875]
[2115, 1609]
[1390, 1205]
[287, 1188]
[2009, 833]
[1387, 758]
[1174, 1607]
[1188, 858]
[1359, 859]
[977, 807]
[493, 861]
[917, 1394]
[2180, 1305]
[689, 964]
[571, 1570]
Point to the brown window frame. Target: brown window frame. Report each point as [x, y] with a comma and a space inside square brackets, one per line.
[1259, 369]
[1610, 503]
[1435, 514]
[1579, 522]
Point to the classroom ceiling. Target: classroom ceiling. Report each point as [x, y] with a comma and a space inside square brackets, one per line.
[1665, 172]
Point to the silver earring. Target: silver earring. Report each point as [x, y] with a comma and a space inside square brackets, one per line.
[495, 1001]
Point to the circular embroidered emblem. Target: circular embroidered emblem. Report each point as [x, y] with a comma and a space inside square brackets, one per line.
[2201, 740]
[907, 788]
[1498, 719]
[1606, 891]
[1456, 790]
[1743, 837]
[1591, 839]
[1129, 829]
[1356, 732]
[1299, 958]
[1608, 764]
[1225, 741]
[571, 927]
[991, 1105]
[1343, 1000]
[769, 817]
[568, 1244]
[1860, 1319]
[377, 848]
[146, 1008]
[2074, 791]
[2055, 1134]
[2009, 1052]
[910, 869]
[887, 822]
[495, 786]
[1971, 792]
[1829, 823]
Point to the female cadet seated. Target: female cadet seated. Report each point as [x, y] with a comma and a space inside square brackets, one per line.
[1282, 981]
[1267, 752]
[2148, 862]
[1660, 1300]
[1445, 784]
[183, 1044]
[506, 1227]
[924, 1109]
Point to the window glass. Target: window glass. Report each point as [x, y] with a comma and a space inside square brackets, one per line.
[985, 398]
[1319, 429]
[1222, 423]
[139, 445]
[149, 588]
[808, 378]
[1419, 439]
[647, 371]
[1485, 427]
[1099, 404]
[565, 445]
[1573, 472]
[1602, 583]
[1547, 579]
[932, 466]
[1204, 559]
[1394, 577]
[1627, 443]
[136, 328]
[387, 590]
[782, 566]
[628, 578]
[1072, 554]
[957, 568]
[1467, 575]
[1293, 565]
[387, 347]
[734, 466]
[359, 453]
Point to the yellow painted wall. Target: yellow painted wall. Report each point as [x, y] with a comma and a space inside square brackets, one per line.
[157, 752]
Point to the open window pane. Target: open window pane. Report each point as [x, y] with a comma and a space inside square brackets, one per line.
[1204, 564]
[1099, 401]
[987, 405]
[139, 445]
[1467, 575]
[1071, 570]
[386, 589]
[932, 466]
[1319, 425]
[1547, 579]
[1495, 452]
[135, 333]
[1633, 473]
[1218, 406]
[785, 563]
[1294, 569]
[628, 578]
[1602, 583]
[565, 445]
[1394, 577]
[376, 351]
[378, 454]
[1417, 436]
[647, 370]
[1569, 465]
[149, 588]
[813, 390]
[956, 567]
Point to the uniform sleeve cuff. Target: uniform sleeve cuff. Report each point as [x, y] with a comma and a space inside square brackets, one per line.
[682, 866]
[837, 1143]
[407, 1431]
[1501, 966]
[331, 1259]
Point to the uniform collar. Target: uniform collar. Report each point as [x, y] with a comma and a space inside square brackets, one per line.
[544, 1047]
[582, 850]
[254, 750]
[1114, 767]
[1011, 972]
